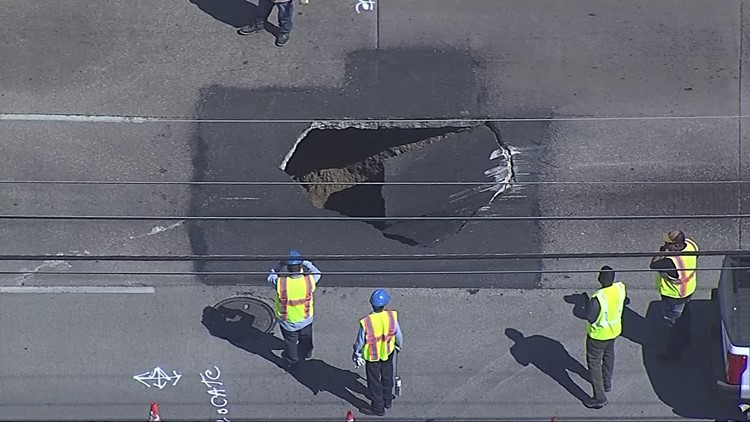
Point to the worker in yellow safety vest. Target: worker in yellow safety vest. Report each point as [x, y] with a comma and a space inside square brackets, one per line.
[378, 337]
[676, 281]
[294, 305]
[603, 326]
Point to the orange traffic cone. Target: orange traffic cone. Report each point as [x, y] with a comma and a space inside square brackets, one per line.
[153, 415]
[349, 416]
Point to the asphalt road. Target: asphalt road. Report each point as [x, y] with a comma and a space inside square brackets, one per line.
[626, 95]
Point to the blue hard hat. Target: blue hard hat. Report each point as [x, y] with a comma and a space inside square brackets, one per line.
[295, 258]
[379, 298]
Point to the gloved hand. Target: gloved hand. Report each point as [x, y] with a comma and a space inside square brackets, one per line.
[358, 362]
[397, 348]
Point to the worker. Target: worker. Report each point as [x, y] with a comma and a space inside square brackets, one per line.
[603, 326]
[378, 337]
[294, 305]
[676, 280]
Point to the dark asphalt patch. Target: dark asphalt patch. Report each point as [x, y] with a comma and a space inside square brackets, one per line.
[379, 84]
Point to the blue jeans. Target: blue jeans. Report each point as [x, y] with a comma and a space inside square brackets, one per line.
[285, 13]
[676, 314]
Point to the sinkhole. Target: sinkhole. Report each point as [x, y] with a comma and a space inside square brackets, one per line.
[351, 153]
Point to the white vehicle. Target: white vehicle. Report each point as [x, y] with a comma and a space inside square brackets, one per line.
[731, 301]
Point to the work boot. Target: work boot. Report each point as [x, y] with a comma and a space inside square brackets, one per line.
[371, 412]
[252, 28]
[388, 404]
[595, 403]
[308, 355]
[282, 39]
[607, 388]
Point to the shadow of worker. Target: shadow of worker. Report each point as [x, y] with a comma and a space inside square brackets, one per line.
[688, 384]
[237, 328]
[236, 13]
[550, 357]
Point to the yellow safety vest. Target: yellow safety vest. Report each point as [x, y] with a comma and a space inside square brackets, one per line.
[294, 297]
[608, 324]
[380, 335]
[686, 282]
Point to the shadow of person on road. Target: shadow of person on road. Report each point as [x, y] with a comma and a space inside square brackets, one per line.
[236, 13]
[580, 304]
[236, 327]
[688, 384]
[550, 357]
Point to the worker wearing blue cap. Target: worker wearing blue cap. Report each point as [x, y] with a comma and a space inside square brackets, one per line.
[378, 337]
[294, 305]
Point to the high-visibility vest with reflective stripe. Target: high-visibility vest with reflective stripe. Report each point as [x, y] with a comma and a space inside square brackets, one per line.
[685, 284]
[294, 297]
[380, 335]
[608, 324]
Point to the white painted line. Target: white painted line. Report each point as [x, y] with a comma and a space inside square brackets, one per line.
[88, 118]
[81, 118]
[76, 289]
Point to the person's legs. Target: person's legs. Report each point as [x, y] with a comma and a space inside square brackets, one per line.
[290, 346]
[305, 346]
[594, 354]
[375, 386]
[672, 311]
[608, 364]
[683, 325]
[263, 12]
[286, 11]
[386, 377]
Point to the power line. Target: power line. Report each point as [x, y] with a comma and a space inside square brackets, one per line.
[328, 183]
[343, 273]
[368, 257]
[374, 218]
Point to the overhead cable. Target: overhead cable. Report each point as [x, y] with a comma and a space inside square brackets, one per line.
[373, 218]
[368, 257]
[88, 118]
[345, 273]
[395, 183]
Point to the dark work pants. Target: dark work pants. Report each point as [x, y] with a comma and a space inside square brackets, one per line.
[676, 313]
[285, 13]
[380, 382]
[297, 344]
[600, 357]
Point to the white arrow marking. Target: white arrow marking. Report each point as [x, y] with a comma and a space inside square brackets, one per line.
[159, 377]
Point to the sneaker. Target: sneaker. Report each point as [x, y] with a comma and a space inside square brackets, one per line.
[369, 411]
[308, 355]
[388, 404]
[607, 388]
[282, 39]
[595, 404]
[252, 28]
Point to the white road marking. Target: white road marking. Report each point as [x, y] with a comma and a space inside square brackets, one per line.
[87, 118]
[80, 118]
[239, 198]
[77, 289]
[158, 378]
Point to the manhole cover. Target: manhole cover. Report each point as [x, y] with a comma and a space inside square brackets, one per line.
[260, 312]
